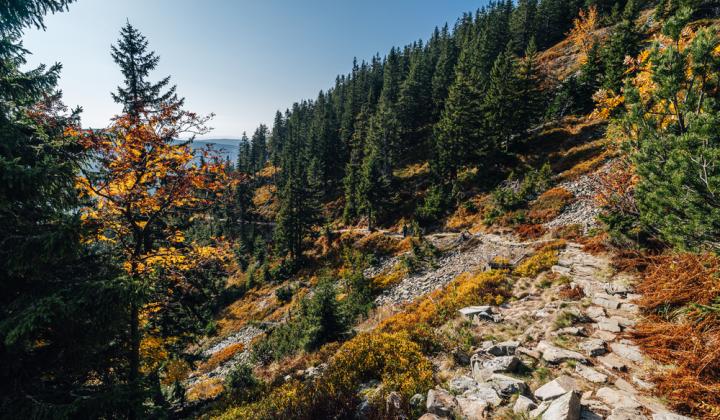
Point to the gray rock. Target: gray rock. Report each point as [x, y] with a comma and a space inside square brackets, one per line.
[669, 416]
[441, 403]
[393, 403]
[417, 400]
[472, 409]
[612, 362]
[476, 313]
[630, 307]
[461, 384]
[576, 331]
[553, 354]
[593, 347]
[590, 374]
[523, 405]
[501, 364]
[626, 414]
[506, 348]
[566, 407]
[539, 410]
[617, 399]
[563, 271]
[603, 335]
[506, 385]
[595, 313]
[485, 394]
[606, 301]
[555, 388]
[624, 322]
[626, 351]
[618, 289]
[610, 325]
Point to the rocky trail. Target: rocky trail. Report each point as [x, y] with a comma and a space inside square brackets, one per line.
[589, 370]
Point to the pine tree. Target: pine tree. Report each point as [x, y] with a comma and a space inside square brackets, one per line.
[444, 72]
[502, 103]
[277, 138]
[258, 149]
[624, 41]
[414, 113]
[531, 96]
[135, 61]
[522, 24]
[243, 163]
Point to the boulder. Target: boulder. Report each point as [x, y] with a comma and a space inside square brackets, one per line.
[669, 416]
[441, 403]
[461, 384]
[555, 388]
[576, 331]
[506, 348]
[610, 325]
[501, 364]
[486, 394]
[431, 416]
[506, 385]
[618, 289]
[539, 410]
[552, 354]
[590, 374]
[472, 409]
[393, 403]
[417, 400]
[593, 347]
[478, 313]
[523, 405]
[595, 313]
[566, 407]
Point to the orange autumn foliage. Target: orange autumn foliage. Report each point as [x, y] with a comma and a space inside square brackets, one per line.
[582, 32]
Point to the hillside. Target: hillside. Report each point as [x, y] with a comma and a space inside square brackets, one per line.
[516, 218]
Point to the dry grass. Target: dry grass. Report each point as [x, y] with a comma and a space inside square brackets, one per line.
[413, 170]
[381, 244]
[530, 231]
[221, 357]
[549, 205]
[390, 277]
[681, 295]
[205, 390]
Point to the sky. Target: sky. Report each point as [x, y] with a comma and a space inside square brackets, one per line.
[239, 59]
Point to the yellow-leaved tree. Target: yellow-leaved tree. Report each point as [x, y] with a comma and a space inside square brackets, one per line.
[143, 187]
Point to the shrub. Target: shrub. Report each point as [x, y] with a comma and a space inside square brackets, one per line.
[537, 263]
[241, 384]
[284, 294]
[434, 205]
[550, 204]
[681, 298]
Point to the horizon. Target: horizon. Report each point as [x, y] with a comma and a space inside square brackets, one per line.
[253, 72]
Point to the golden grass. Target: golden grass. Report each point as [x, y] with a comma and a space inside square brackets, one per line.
[413, 170]
[549, 205]
[205, 390]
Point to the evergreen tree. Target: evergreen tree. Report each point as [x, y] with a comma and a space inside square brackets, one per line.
[531, 96]
[502, 103]
[244, 157]
[444, 71]
[135, 61]
[277, 138]
[624, 41]
[258, 149]
[522, 24]
[414, 113]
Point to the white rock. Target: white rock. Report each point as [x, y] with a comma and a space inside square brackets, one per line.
[555, 388]
[593, 347]
[539, 410]
[590, 374]
[506, 348]
[617, 399]
[554, 354]
[486, 394]
[669, 416]
[566, 407]
[629, 352]
[612, 362]
[523, 404]
[472, 409]
[606, 301]
[609, 324]
[506, 385]
[501, 364]
[595, 313]
[461, 384]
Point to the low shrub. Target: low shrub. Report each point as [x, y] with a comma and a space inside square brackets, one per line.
[537, 263]
[681, 300]
[241, 384]
[549, 205]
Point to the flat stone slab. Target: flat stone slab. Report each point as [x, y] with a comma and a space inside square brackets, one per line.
[501, 364]
[507, 385]
[553, 354]
[606, 301]
[612, 362]
[609, 325]
[593, 347]
[486, 394]
[626, 351]
[506, 348]
[617, 399]
[523, 404]
[441, 403]
[566, 407]
[590, 374]
[555, 388]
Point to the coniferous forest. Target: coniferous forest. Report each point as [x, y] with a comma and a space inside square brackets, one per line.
[319, 273]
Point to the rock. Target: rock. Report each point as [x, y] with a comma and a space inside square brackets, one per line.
[623, 322]
[617, 289]
[630, 307]
[593, 347]
[555, 388]
[617, 399]
[430, 416]
[485, 394]
[563, 271]
[643, 384]
[477, 313]
[461, 384]
[606, 301]
[612, 362]
[566, 407]
[553, 354]
[506, 348]
[669, 416]
[523, 404]
[539, 410]
[587, 414]
[603, 335]
[626, 414]
[472, 409]
[417, 400]
[506, 385]
[441, 403]
[393, 403]
[610, 325]
[629, 352]
[595, 313]
[530, 353]
[590, 374]
[501, 364]
[576, 331]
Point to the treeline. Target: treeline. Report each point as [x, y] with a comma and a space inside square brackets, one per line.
[466, 97]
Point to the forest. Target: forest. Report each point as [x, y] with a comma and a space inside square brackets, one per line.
[127, 255]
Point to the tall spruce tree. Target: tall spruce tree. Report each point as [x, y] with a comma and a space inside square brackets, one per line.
[136, 62]
[502, 103]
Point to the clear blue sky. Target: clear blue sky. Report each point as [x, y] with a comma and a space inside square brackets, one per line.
[240, 59]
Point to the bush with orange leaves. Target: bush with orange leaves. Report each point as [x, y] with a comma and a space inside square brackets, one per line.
[681, 298]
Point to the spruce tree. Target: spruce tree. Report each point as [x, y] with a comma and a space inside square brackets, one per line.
[502, 103]
[139, 94]
[258, 149]
[624, 41]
